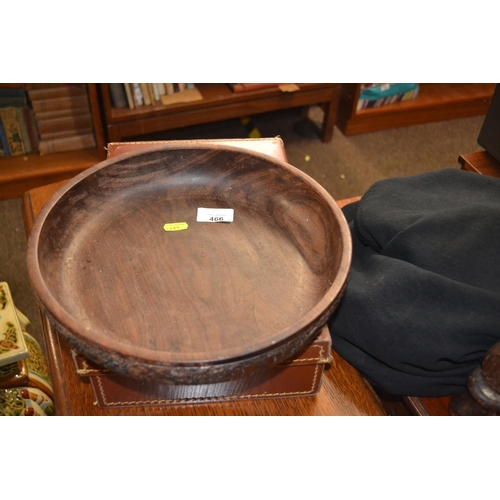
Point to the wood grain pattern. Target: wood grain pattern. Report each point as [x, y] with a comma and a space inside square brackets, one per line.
[480, 162]
[207, 304]
[343, 391]
[428, 407]
[19, 174]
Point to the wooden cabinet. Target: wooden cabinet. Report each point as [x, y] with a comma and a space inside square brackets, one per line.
[219, 103]
[18, 174]
[435, 102]
[21, 173]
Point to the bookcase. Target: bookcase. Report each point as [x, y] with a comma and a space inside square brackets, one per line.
[18, 174]
[435, 102]
[219, 103]
[21, 173]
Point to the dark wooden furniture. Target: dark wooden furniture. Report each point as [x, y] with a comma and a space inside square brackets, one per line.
[482, 397]
[343, 391]
[21, 173]
[219, 103]
[18, 174]
[435, 102]
[480, 162]
[234, 297]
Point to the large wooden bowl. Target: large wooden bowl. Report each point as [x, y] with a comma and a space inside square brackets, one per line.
[202, 305]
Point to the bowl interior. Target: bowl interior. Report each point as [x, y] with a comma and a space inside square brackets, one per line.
[113, 276]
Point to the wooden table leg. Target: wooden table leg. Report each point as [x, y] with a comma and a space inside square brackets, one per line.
[483, 389]
[330, 117]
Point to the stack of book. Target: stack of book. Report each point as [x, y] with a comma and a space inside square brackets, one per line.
[18, 132]
[373, 95]
[63, 117]
[134, 95]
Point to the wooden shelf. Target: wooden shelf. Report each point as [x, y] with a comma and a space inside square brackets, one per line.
[435, 102]
[19, 174]
[219, 103]
[22, 173]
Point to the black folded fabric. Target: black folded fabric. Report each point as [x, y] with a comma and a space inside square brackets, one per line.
[422, 302]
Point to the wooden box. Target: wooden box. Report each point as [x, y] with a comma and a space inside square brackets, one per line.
[298, 377]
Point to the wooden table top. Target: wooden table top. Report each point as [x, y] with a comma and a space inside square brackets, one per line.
[343, 391]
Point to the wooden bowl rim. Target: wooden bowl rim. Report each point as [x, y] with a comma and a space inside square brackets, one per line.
[70, 325]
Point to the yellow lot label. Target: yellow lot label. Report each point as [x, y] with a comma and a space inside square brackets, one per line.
[175, 226]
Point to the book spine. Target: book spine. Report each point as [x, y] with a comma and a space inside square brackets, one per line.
[15, 98]
[64, 133]
[57, 92]
[70, 143]
[145, 94]
[169, 87]
[32, 128]
[137, 94]
[11, 127]
[118, 96]
[128, 93]
[161, 89]
[62, 113]
[156, 92]
[23, 127]
[151, 93]
[14, 102]
[65, 124]
[3, 140]
[59, 103]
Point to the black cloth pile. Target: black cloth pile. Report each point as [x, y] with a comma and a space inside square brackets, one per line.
[422, 302]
